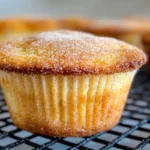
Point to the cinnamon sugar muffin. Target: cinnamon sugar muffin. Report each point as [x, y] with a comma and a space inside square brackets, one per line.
[146, 43]
[74, 23]
[127, 29]
[15, 27]
[41, 25]
[12, 28]
[67, 83]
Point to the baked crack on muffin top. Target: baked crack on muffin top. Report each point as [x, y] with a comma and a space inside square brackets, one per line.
[69, 52]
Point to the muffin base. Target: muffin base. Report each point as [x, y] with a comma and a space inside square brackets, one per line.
[59, 105]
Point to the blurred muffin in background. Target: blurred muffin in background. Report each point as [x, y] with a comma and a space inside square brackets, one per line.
[15, 27]
[128, 29]
[74, 23]
[11, 28]
[146, 43]
[139, 19]
[39, 25]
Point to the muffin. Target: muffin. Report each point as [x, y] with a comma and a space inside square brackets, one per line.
[12, 28]
[146, 43]
[15, 27]
[129, 30]
[67, 83]
[40, 25]
[74, 23]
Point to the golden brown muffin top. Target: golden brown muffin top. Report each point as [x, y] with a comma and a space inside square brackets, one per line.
[69, 52]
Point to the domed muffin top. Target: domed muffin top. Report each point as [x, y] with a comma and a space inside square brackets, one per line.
[69, 52]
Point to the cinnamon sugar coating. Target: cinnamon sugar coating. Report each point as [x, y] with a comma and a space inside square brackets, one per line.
[69, 52]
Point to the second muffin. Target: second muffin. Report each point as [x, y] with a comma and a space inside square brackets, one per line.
[67, 83]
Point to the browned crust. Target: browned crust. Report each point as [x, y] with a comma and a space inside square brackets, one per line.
[130, 66]
[79, 54]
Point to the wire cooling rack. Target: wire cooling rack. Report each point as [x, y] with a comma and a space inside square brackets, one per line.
[132, 132]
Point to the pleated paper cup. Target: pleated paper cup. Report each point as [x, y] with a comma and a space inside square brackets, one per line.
[66, 105]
